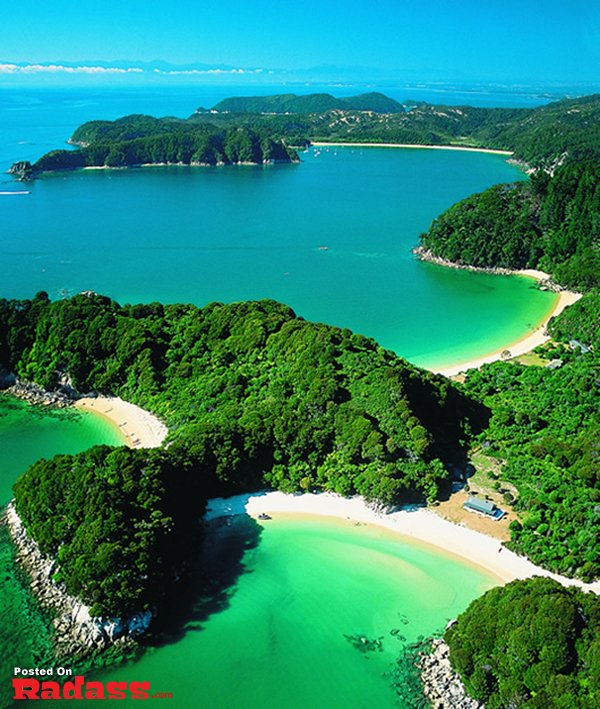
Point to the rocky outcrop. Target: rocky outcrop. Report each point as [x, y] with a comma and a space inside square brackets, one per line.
[77, 633]
[443, 687]
[33, 394]
[22, 170]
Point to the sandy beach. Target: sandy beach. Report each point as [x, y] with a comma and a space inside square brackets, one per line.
[527, 343]
[412, 145]
[418, 524]
[140, 428]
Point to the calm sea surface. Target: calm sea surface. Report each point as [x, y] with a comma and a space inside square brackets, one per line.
[331, 237]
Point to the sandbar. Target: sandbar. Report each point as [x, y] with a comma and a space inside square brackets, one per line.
[415, 523]
[139, 428]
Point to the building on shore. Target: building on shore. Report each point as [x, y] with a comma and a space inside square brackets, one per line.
[483, 507]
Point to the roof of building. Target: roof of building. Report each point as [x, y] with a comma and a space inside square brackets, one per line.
[479, 505]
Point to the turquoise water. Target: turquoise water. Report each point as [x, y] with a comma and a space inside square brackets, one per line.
[279, 635]
[28, 433]
[273, 633]
[270, 629]
[205, 234]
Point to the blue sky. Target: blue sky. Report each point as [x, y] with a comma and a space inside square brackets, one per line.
[451, 40]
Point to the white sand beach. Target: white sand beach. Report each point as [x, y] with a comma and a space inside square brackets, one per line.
[411, 145]
[140, 428]
[532, 340]
[418, 524]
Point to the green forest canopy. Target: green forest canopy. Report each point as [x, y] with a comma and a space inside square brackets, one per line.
[533, 644]
[549, 222]
[253, 396]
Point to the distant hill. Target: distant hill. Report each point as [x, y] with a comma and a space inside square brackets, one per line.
[312, 103]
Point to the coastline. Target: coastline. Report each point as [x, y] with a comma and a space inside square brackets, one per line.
[320, 144]
[526, 343]
[416, 524]
[139, 428]
[518, 347]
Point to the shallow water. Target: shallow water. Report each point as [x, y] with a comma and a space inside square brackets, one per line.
[281, 634]
[28, 433]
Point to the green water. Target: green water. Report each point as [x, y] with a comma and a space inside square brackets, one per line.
[204, 234]
[28, 433]
[275, 637]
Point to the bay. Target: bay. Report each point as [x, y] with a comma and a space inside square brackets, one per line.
[28, 433]
[285, 632]
[331, 237]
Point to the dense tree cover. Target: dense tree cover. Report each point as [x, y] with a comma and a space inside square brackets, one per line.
[322, 398]
[119, 522]
[549, 135]
[310, 103]
[252, 394]
[531, 643]
[545, 425]
[139, 140]
[552, 223]
[581, 321]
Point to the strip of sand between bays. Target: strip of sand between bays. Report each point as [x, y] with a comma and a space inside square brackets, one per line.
[421, 525]
[139, 428]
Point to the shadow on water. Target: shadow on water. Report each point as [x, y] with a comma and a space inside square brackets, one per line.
[212, 584]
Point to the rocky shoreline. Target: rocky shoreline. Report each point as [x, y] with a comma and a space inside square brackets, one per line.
[424, 254]
[33, 394]
[77, 633]
[443, 687]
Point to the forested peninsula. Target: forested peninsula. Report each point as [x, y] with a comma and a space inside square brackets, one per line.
[252, 395]
[255, 396]
[266, 129]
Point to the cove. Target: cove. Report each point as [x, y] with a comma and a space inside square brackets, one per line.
[331, 237]
[296, 592]
[28, 433]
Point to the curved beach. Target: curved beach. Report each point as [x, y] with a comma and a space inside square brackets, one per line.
[413, 145]
[527, 343]
[419, 524]
[139, 427]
